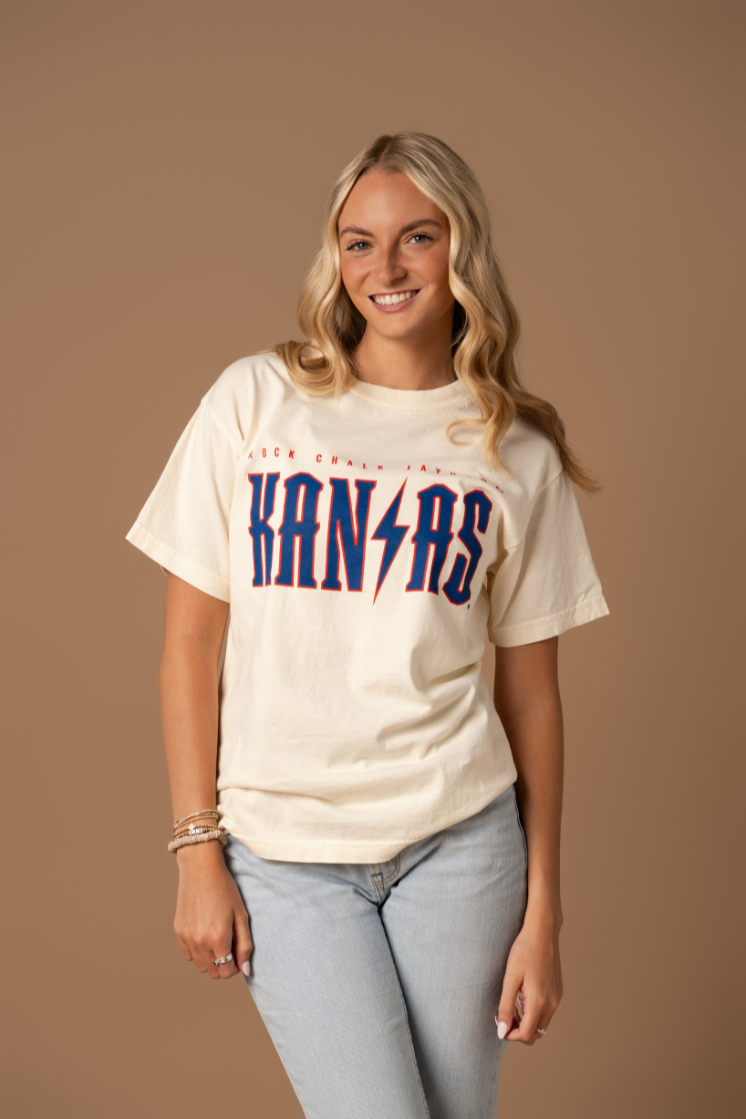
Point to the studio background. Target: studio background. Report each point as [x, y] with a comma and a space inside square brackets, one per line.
[166, 164]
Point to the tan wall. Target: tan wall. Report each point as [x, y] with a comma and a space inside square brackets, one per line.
[166, 165]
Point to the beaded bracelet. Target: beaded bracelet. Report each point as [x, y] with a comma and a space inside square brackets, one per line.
[197, 824]
[196, 815]
[194, 831]
[187, 840]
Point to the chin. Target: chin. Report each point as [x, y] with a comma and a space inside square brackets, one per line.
[402, 331]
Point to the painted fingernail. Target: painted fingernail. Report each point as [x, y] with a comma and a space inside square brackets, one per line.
[502, 1029]
[246, 969]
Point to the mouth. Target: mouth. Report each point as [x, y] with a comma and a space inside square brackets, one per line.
[389, 301]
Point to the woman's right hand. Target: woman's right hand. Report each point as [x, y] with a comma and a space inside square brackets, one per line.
[211, 918]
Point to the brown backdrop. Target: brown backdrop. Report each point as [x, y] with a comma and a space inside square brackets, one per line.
[166, 164]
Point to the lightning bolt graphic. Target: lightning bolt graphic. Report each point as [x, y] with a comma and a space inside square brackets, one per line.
[393, 534]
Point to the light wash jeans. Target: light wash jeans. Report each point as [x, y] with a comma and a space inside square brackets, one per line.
[379, 983]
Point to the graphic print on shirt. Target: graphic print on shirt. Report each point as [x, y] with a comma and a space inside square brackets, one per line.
[393, 534]
[437, 564]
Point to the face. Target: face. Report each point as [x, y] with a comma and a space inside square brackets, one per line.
[393, 245]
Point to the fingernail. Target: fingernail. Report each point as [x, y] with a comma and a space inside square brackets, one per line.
[502, 1029]
[246, 969]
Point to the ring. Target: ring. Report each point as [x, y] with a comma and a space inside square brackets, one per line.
[223, 959]
[540, 1031]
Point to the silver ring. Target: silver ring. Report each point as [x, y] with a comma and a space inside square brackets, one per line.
[223, 959]
[540, 1031]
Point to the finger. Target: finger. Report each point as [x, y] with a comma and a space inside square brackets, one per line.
[533, 1008]
[545, 1018]
[204, 949]
[545, 1010]
[197, 958]
[507, 1014]
[183, 947]
[244, 945]
[223, 947]
[228, 969]
[514, 1034]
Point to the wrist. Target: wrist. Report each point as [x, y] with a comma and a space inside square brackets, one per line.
[206, 854]
[544, 912]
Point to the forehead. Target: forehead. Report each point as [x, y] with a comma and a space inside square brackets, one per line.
[386, 199]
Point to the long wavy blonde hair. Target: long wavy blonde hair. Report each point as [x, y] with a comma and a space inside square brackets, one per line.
[485, 323]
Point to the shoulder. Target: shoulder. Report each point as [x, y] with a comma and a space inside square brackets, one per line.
[246, 391]
[247, 379]
[531, 456]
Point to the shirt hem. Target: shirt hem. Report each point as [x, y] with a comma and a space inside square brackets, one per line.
[177, 564]
[529, 632]
[358, 850]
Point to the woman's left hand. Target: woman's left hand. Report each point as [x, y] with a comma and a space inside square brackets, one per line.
[533, 969]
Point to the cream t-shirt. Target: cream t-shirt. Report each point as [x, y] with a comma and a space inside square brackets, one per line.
[363, 556]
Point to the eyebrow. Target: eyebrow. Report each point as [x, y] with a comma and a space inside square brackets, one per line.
[404, 229]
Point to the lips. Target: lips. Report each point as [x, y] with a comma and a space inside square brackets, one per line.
[393, 300]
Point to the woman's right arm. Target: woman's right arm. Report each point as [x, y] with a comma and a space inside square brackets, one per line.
[211, 919]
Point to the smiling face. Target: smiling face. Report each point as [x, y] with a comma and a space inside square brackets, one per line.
[394, 245]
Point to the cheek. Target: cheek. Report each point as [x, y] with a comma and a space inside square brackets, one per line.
[353, 275]
[353, 272]
[440, 279]
[436, 272]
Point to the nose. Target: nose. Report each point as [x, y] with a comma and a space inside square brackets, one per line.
[390, 266]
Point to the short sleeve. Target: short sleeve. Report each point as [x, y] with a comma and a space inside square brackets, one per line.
[547, 583]
[184, 523]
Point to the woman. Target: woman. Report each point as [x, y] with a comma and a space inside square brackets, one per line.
[370, 501]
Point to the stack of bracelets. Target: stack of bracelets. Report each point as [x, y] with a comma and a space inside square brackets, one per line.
[198, 827]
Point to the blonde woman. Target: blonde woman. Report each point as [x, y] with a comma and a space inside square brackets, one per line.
[370, 501]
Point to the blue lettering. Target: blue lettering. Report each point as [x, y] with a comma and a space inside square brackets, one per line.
[352, 537]
[429, 535]
[477, 509]
[260, 529]
[303, 530]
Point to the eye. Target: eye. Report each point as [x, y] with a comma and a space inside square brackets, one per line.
[423, 236]
[356, 246]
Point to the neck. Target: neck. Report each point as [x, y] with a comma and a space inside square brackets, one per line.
[417, 363]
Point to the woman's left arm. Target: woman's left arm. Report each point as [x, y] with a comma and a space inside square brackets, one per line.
[528, 702]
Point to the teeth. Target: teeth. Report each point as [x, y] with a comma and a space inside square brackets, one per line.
[391, 300]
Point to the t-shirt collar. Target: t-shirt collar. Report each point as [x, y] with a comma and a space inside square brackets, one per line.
[415, 400]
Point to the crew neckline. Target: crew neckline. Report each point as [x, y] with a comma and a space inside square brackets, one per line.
[415, 400]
